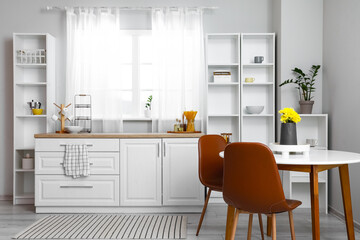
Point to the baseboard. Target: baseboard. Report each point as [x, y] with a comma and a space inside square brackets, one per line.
[6, 197]
[341, 216]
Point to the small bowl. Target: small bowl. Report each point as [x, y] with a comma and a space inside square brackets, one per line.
[254, 109]
[36, 111]
[73, 129]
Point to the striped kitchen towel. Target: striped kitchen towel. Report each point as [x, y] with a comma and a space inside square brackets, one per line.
[76, 161]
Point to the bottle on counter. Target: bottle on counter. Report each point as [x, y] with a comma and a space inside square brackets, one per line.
[28, 162]
[176, 126]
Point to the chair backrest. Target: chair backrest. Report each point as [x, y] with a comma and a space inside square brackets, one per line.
[251, 178]
[210, 163]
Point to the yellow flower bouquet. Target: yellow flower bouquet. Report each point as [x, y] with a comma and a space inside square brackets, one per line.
[289, 115]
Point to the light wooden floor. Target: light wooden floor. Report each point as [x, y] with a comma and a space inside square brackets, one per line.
[13, 219]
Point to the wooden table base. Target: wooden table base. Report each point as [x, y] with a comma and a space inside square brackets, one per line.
[314, 170]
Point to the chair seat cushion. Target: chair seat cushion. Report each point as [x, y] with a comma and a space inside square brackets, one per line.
[286, 206]
[215, 184]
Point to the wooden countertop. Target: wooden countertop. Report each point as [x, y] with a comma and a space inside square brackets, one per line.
[119, 135]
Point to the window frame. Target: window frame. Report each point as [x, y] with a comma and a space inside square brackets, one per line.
[135, 68]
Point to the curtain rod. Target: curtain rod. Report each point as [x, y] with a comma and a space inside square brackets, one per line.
[50, 8]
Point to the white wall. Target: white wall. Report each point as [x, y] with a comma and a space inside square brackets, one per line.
[301, 37]
[342, 91]
[27, 16]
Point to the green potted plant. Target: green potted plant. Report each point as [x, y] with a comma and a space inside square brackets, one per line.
[305, 84]
[148, 107]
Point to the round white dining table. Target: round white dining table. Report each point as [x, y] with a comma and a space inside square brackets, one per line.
[318, 161]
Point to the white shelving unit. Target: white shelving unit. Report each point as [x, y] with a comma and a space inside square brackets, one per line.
[34, 80]
[258, 127]
[226, 102]
[296, 184]
[223, 99]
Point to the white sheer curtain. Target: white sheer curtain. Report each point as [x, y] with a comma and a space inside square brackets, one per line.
[179, 65]
[93, 53]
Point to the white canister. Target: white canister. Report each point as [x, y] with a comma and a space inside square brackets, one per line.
[27, 162]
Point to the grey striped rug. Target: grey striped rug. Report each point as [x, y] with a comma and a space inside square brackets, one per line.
[107, 226]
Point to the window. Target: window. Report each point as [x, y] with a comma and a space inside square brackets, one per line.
[136, 71]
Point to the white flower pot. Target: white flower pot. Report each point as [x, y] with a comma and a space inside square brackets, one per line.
[147, 113]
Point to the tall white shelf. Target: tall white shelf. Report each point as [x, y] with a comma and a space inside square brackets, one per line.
[296, 184]
[258, 127]
[223, 100]
[32, 81]
[226, 102]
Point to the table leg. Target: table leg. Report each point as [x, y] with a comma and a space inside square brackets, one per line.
[346, 195]
[268, 226]
[229, 221]
[314, 192]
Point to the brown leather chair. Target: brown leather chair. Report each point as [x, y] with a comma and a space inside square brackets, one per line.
[211, 169]
[252, 184]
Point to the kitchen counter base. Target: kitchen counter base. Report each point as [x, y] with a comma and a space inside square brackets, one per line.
[125, 210]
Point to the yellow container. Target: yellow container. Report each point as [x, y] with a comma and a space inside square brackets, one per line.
[190, 117]
[37, 111]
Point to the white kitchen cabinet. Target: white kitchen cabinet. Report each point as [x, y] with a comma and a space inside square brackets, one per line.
[140, 172]
[181, 184]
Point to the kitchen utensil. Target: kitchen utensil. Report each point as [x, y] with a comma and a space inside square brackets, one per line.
[254, 109]
[37, 111]
[83, 112]
[312, 141]
[73, 129]
[33, 104]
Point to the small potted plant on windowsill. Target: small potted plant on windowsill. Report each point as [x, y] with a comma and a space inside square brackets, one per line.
[305, 85]
[147, 111]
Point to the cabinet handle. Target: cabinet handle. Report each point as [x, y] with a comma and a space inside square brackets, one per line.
[164, 149]
[89, 164]
[63, 145]
[158, 149]
[76, 186]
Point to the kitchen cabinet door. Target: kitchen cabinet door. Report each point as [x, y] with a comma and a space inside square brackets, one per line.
[140, 172]
[181, 184]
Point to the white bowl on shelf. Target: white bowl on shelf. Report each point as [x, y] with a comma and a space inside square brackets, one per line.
[73, 129]
[254, 109]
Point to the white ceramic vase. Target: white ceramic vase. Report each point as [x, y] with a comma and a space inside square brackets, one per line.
[147, 113]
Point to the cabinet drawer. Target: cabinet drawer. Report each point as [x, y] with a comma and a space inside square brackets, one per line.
[100, 163]
[66, 191]
[94, 145]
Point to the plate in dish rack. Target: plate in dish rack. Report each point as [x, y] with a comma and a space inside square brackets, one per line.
[285, 150]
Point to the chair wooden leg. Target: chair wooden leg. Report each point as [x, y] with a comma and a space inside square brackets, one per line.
[268, 226]
[203, 212]
[233, 227]
[261, 226]
[291, 221]
[273, 224]
[250, 226]
[229, 221]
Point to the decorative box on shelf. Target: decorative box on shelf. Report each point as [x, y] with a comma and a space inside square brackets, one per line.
[222, 76]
